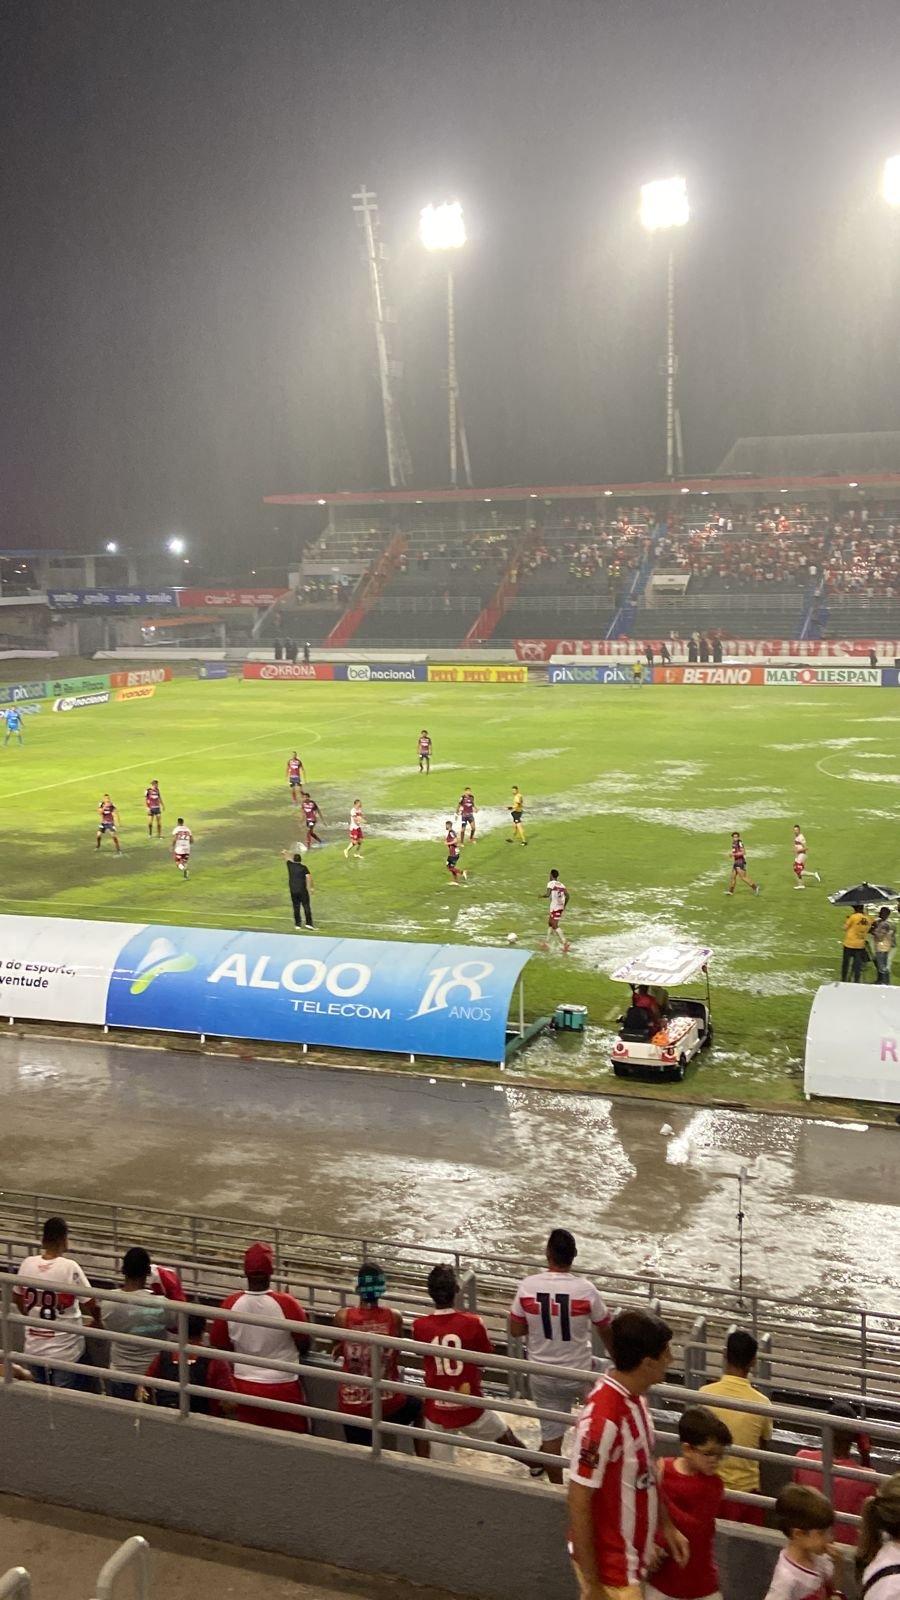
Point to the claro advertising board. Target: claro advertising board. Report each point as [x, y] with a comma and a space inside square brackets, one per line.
[353, 994]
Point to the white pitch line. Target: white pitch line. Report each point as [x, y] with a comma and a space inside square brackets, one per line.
[147, 761]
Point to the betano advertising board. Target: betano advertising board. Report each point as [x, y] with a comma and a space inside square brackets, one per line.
[353, 994]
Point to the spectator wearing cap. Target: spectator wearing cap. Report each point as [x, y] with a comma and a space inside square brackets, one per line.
[257, 1380]
[848, 1495]
[369, 1315]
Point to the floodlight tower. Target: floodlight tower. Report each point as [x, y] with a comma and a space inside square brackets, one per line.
[365, 204]
[443, 228]
[664, 206]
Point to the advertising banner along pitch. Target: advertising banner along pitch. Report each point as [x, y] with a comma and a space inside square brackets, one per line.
[351, 994]
[107, 599]
[289, 671]
[453, 674]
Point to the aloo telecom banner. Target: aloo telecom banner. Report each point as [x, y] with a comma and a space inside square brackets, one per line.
[289, 671]
[351, 994]
[229, 597]
[858, 677]
[383, 672]
[477, 674]
[107, 599]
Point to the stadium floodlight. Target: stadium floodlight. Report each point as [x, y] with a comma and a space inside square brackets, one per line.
[111, 547]
[890, 181]
[442, 227]
[177, 545]
[664, 204]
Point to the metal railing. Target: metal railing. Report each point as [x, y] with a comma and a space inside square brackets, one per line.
[793, 1420]
[207, 1251]
[133, 1556]
[15, 1584]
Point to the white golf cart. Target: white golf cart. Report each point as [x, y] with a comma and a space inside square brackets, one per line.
[661, 1032]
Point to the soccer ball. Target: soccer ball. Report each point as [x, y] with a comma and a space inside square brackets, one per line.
[511, 938]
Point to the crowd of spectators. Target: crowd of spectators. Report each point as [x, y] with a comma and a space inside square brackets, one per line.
[583, 556]
[631, 1518]
[727, 549]
[863, 559]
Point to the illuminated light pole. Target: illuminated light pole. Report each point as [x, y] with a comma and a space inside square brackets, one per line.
[890, 181]
[443, 228]
[664, 206]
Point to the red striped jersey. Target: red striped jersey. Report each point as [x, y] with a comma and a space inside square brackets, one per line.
[559, 1308]
[612, 1454]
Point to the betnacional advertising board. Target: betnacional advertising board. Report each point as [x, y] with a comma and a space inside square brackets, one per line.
[382, 672]
[354, 994]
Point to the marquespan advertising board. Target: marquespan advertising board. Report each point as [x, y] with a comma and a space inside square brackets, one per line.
[355, 994]
[486, 674]
[809, 677]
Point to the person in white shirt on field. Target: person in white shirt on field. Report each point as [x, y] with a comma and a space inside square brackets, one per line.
[182, 839]
[555, 1312]
[558, 895]
[801, 870]
[54, 1330]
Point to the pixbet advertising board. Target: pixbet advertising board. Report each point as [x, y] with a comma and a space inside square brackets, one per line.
[354, 994]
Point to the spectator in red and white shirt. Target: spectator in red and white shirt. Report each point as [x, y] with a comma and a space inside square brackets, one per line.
[555, 1312]
[451, 1332]
[54, 1330]
[614, 1505]
[278, 1343]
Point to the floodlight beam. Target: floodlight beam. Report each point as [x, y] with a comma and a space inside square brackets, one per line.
[890, 181]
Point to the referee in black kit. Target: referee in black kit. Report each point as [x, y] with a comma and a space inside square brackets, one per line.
[300, 883]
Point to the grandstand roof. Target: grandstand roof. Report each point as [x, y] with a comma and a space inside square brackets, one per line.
[716, 483]
[838, 454]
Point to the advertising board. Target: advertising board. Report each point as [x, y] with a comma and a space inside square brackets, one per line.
[806, 677]
[78, 702]
[600, 674]
[229, 597]
[140, 691]
[213, 669]
[107, 599]
[127, 680]
[355, 994]
[740, 676]
[94, 684]
[289, 671]
[486, 674]
[853, 1043]
[382, 672]
[10, 693]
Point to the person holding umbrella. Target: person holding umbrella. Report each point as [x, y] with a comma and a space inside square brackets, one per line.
[854, 952]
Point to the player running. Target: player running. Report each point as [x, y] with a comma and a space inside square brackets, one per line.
[451, 840]
[558, 895]
[515, 811]
[109, 823]
[739, 865]
[182, 839]
[466, 810]
[13, 724]
[153, 800]
[312, 816]
[801, 870]
[357, 823]
[296, 777]
[424, 751]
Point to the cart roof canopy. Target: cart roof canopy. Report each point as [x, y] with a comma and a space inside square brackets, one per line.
[665, 964]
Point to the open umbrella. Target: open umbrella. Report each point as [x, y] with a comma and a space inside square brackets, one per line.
[863, 894]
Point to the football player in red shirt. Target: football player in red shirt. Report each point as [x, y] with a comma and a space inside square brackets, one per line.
[453, 848]
[155, 808]
[295, 776]
[313, 816]
[109, 822]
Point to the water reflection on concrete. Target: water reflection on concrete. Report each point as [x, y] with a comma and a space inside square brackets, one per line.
[462, 1163]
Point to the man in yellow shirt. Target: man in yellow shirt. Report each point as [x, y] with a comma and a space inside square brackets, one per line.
[515, 811]
[856, 932]
[748, 1430]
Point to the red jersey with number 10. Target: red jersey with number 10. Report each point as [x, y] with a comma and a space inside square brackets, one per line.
[451, 1332]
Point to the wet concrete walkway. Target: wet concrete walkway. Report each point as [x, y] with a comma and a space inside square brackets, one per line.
[460, 1163]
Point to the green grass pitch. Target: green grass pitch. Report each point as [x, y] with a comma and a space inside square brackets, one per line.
[631, 793]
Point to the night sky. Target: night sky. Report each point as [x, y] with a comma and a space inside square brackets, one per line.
[184, 302]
